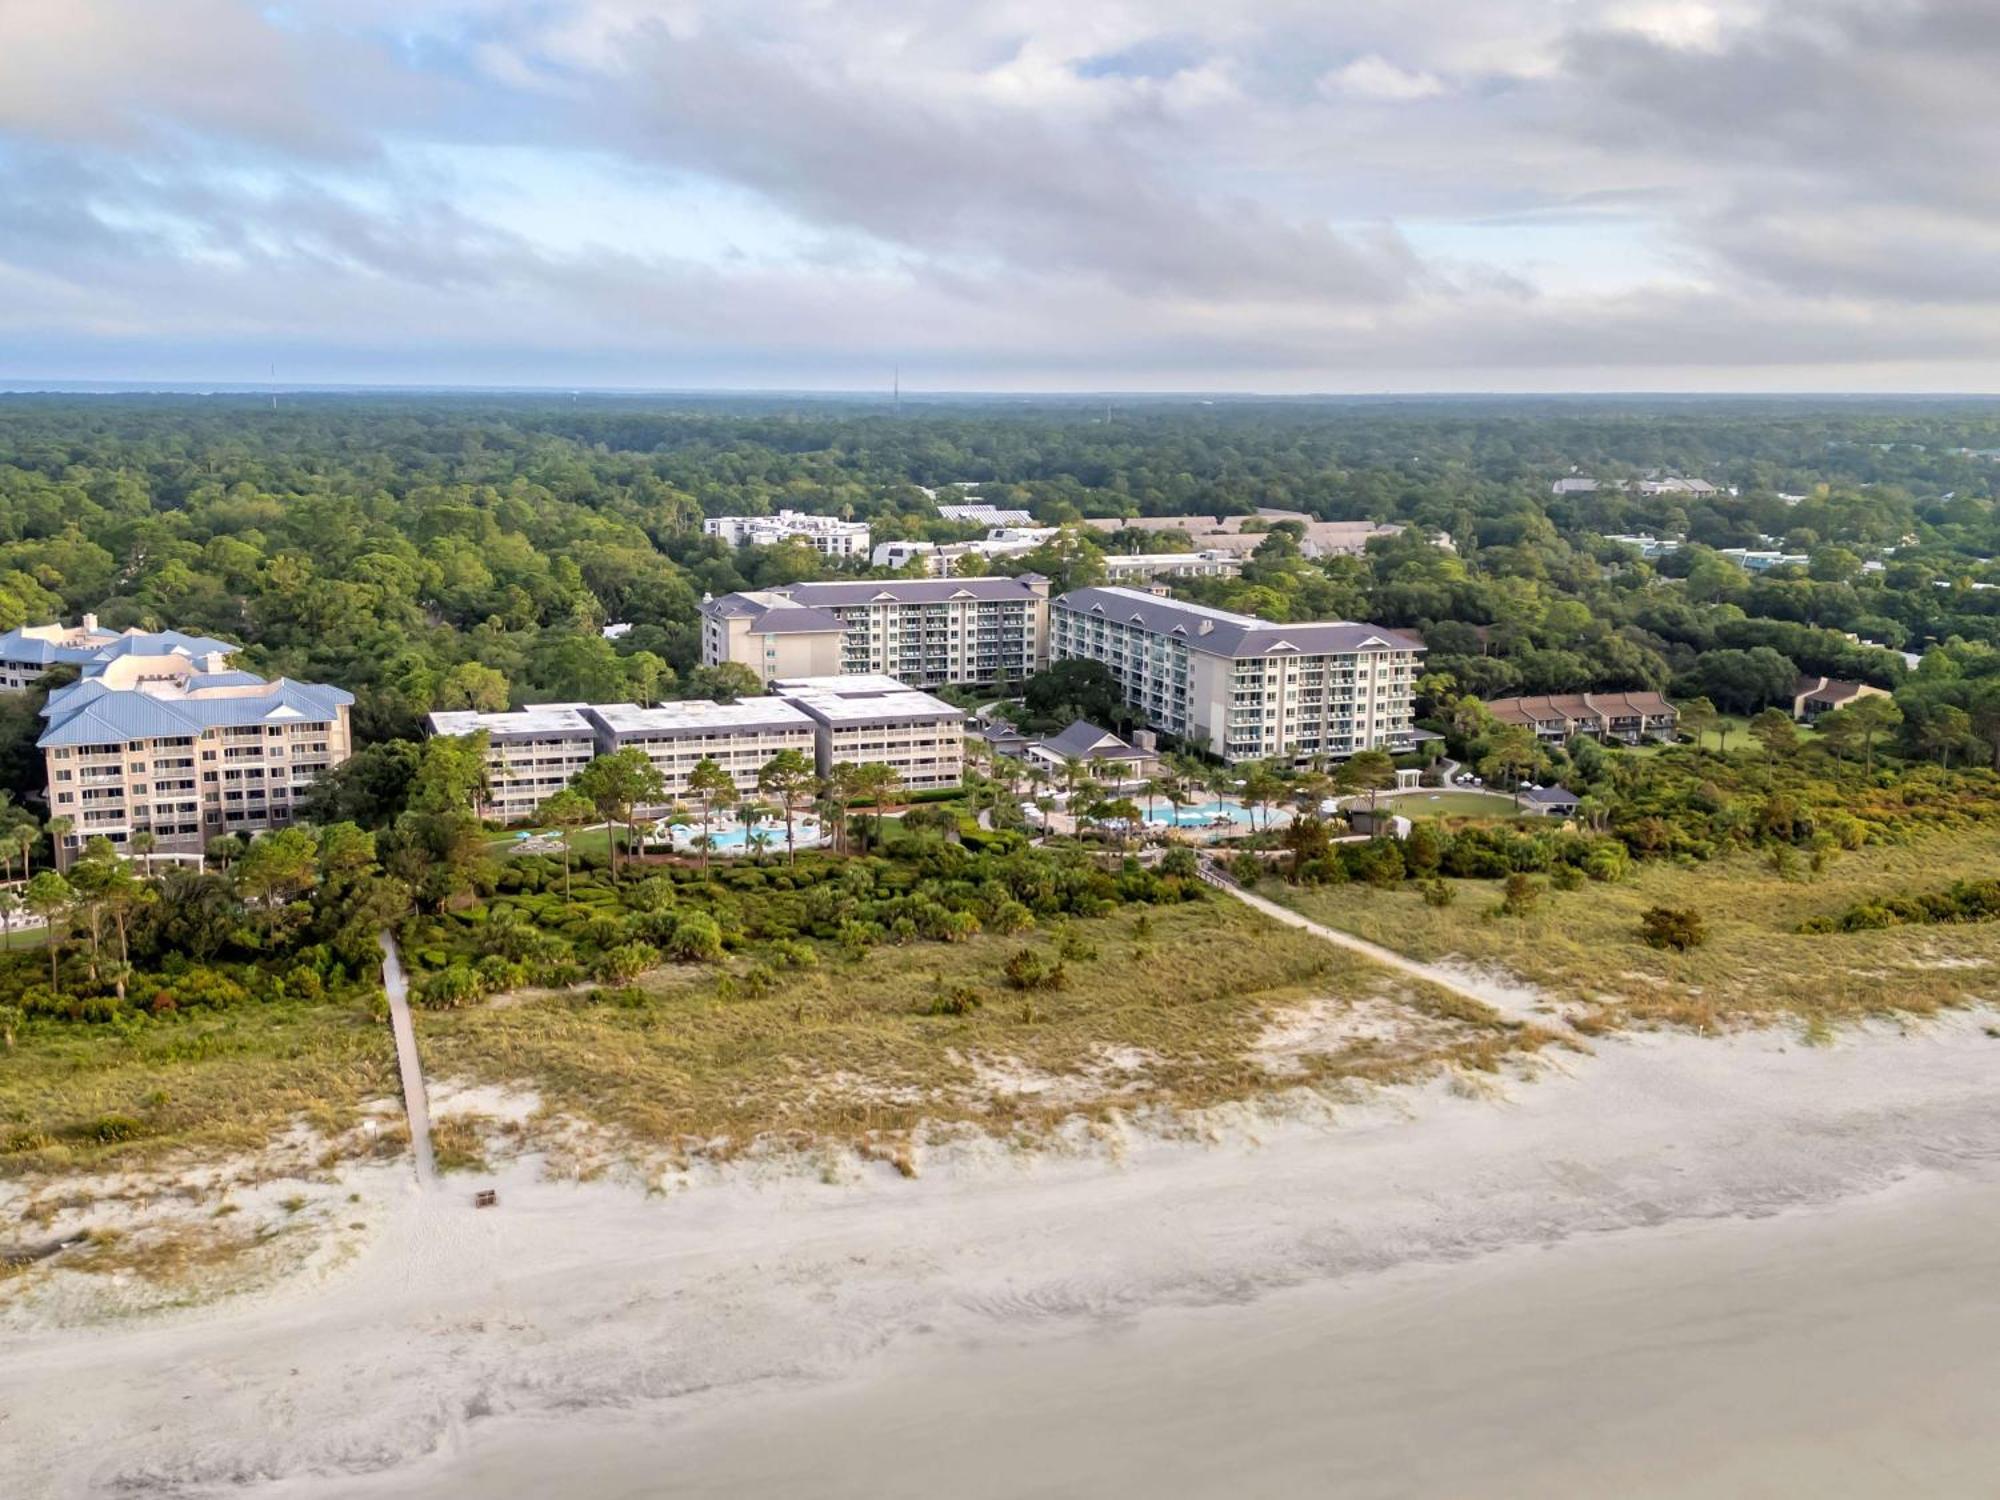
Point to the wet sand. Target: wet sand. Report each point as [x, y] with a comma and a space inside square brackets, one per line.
[1843, 1352]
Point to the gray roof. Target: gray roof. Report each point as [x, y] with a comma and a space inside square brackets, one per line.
[114, 716]
[771, 613]
[108, 645]
[1222, 633]
[1084, 740]
[911, 590]
[538, 721]
[1550, 796]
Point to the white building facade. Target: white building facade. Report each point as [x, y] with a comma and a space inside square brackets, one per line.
[531, 754]
[827, 535]
[872, 718]
[1240, 687]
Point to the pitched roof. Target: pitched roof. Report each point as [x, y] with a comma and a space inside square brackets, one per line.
[1579, 706]
[1086, 741]
[1550, 796]
[115, 715]
[92, 647]
[1222, 633]
[770, 613]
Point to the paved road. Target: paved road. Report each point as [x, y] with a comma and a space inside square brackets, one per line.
[1492, 998]
[415, 1101]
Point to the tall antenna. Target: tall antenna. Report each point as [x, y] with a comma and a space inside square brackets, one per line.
[274, 382]
[896, 388]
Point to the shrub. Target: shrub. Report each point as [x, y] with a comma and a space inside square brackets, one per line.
[1180, 862]
[450, 988]
[959, 1000]
[1566, 877]
[626, 961]
[1674, 928]
[1029, 970]
[1438, 892]
[1521, 896]
[697, 938]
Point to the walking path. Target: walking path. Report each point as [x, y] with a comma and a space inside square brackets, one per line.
[1513, 1002]
[416, 1103]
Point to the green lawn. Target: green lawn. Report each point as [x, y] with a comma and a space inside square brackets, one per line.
[1457, 802]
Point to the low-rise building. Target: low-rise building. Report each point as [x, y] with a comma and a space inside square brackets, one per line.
[1240, 687]
[29, 652]
[1626, 717]
[1215, 562]
[1549, 801]
[1242, 535]
[944, 559]
[1813, 697]
[827, 535]
[924, 632]
[531, 753]
[1646, 545]
[185, 749]
[1085, 742]
[676, 737]
[1761, 560]
[869, 718]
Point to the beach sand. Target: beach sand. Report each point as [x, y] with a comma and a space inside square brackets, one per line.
[1681, 1266]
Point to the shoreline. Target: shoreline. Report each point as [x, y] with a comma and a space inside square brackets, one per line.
[455, 1334]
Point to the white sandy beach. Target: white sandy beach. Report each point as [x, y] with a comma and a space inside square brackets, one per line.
[1683, 1266]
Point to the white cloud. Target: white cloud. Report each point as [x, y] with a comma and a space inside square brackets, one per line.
[1374, 77]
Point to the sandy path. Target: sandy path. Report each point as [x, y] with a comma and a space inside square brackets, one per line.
[580, 1322]
[416, 1100]
[1516, 1002]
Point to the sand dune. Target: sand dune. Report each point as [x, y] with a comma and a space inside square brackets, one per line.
[1684, 1266]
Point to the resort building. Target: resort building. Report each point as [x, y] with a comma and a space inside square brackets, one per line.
[1645, 544]
[31, 651]
[1759, 560]
[1240, 687]
[1242, 535]
[531, 754]
[1123, 567]
[871, 718]
[740, 737]
[827, 535]
[185, 749]
[771, 634]
[943, 559]
[1628, 717]
[924, 632]
[1123, 761]
[1813, 697]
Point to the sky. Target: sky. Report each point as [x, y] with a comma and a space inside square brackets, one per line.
[1030, 195]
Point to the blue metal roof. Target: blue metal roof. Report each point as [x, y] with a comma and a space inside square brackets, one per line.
[108, 645]
[106, 716]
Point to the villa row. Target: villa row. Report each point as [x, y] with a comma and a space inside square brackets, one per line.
[533, 753]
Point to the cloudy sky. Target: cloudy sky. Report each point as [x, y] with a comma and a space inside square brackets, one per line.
[1275, 195]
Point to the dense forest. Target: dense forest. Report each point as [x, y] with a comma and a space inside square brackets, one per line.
[464, 551]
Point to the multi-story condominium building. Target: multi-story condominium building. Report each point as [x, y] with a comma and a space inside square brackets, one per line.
[824, 534]
[186, 750]
[771, 634]
[531, 754]
[740, 737]
[1240, 687]
[1243, 535]
[1122, 567]
[1630, 717]
[922, 631]
[30, 651]
[871, 718]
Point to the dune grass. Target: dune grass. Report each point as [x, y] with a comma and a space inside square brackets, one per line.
[90, 1097]
[1161, 1006]
[1583, 946]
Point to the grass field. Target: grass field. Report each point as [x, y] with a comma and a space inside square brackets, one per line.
[846, 1052]
[1583, 946]
[83, 1096]
[1162, 1006]
[1457, 803]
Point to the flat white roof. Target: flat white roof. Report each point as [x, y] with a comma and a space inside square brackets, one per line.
[538, 718]
[837, 710]
[845, 684]
[698, 715]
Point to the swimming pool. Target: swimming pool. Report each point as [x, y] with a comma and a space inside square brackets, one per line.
[731, 837]
[1214, 813]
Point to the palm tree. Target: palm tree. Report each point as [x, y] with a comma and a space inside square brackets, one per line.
[568, 810]
[58, 830]
[9, 904]
[49, 897]
[24, 840]
[144, 842]
[789, 777]
[708, 784]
